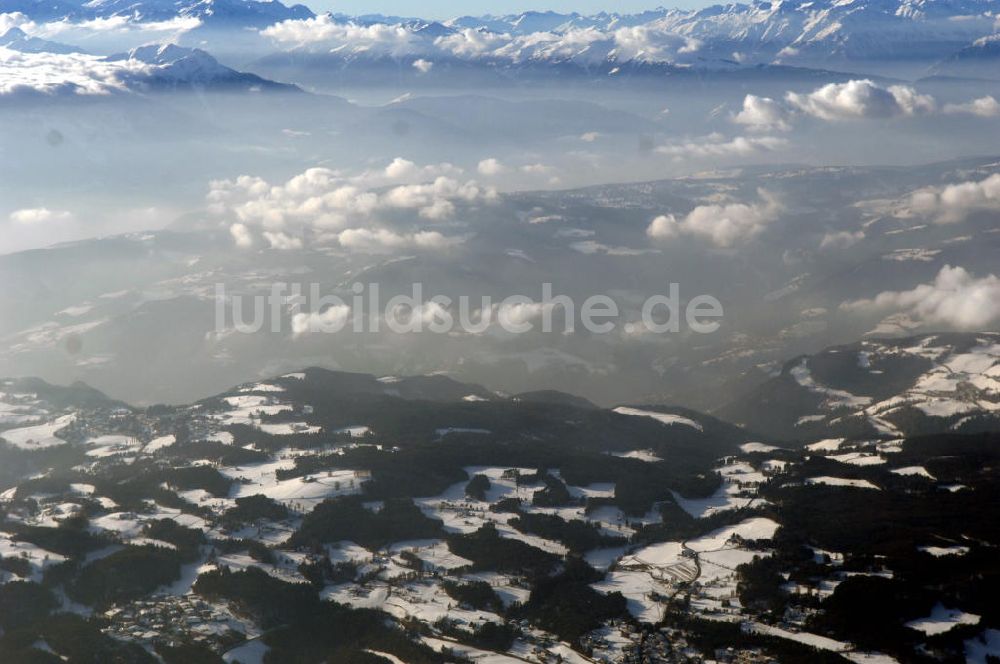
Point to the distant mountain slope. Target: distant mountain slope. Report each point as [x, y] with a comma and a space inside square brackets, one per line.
[934, 383]
[77, 395]
[554, 397]
[327, 384]
[223, 13]
[320, 407]
[981, 59]
[424, 408]
[174, 67]
[17, 40]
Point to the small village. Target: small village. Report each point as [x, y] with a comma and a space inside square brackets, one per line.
[172, 620]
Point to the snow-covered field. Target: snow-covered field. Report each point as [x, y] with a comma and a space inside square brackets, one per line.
[39, 436]
[738, 490]
[648, 575]
[941, 620]
[663, 418]
[37, 557]
[840, 481]
[912, 471]
[939, 551]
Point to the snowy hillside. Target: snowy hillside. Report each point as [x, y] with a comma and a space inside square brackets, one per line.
[928, 384]
[563, 534]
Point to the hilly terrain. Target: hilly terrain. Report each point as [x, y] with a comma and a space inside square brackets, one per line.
[442, 522]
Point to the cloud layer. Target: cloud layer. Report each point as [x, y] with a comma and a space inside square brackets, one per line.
[71, 73]
[582, 45]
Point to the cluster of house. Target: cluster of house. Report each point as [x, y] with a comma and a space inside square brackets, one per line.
[172, 619]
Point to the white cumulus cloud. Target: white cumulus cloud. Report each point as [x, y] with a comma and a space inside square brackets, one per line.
[984, 107]
[762, 114]
[841, 239]
[716, 145]
[723, 225]
[861, 99]
[491, 167]
[241, 235]
[32, 216]
[584, 45]
[382, 240]
[953, 203]
[423, 66]
[332, 319]
[396, 40]
[281, 241]
[955, 299]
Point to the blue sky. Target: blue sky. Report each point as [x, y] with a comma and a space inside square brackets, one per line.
[440, 9]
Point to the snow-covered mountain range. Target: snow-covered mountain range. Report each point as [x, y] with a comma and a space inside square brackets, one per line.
[237, 13]
[846, 34]
[16, 39]
[906, 38]
[175, 67]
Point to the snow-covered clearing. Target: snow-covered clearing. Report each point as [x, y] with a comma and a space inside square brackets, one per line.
[940, 551]
[288, 428]
[942, 619]
[858, 459]
[737, 478]
[821, 643]
[663, 418]
[642, 455]
[38, 557]
[433, 553]
[827, 445]
[752, 448]
[160, 443]
[912, 471]
[424, 600]
[835, 398]
[299, 493]
[652, 573]
[262, 387]
[112, 445]
[463, 514]
[128, 525]
[40, 435]
[841, 482]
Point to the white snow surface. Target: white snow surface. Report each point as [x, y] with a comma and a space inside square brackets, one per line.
[663, 418]
[942, 619]
[843, 482]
